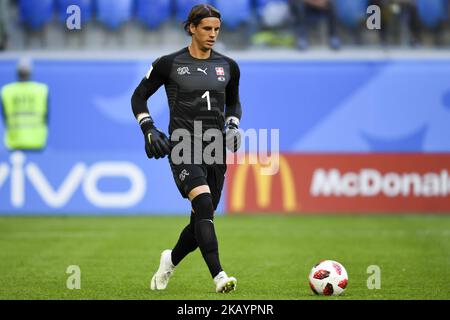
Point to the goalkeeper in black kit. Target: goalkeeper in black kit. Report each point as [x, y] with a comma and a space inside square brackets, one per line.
[202, 88]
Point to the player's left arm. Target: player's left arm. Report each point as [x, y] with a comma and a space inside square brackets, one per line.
[233, 109]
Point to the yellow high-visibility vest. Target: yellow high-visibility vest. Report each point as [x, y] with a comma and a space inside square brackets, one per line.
[25, 109]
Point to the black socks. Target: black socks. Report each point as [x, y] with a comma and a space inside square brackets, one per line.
[200, 232]
[205, 232]
[186, 243]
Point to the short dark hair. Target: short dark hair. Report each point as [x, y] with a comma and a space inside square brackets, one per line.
[198, 13]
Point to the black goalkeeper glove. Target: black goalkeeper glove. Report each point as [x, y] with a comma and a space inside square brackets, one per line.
[232, 135]
[157, 145]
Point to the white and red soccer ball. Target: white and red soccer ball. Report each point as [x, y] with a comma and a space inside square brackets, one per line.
[328, 278]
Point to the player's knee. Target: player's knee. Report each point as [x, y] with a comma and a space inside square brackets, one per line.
[203, 207]
[204, 226]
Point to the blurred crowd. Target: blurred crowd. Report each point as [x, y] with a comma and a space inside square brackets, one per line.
[400, 22]
[286, 23]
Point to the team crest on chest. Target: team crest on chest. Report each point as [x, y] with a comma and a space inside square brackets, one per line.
[220, 71]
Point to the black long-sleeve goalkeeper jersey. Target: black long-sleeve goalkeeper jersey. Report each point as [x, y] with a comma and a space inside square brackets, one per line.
[204, 90]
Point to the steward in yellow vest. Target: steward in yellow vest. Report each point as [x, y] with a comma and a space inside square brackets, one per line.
[25, 110]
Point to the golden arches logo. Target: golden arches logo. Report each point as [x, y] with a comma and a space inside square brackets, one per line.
[263, 186]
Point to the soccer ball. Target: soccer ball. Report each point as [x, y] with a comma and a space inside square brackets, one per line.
[328, 278]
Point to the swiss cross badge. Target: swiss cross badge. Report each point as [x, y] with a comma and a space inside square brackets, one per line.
[220, 71]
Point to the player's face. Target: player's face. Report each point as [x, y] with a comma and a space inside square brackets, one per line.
[205, 33]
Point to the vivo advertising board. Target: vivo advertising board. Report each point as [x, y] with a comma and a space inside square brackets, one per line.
[87, 183]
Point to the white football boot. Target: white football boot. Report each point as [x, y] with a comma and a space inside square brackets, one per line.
[161, 277]
[224, 283]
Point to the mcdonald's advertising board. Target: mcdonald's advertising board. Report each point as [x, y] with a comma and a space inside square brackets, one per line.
[342, 183]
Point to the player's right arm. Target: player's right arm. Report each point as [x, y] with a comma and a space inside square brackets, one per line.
[156, 142]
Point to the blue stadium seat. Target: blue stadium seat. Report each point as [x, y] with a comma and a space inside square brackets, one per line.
[259, 7]
[234, 12]
[260, 4]
[153, 12]
[432, 12]
[351, 12]
[86, 8]
[113, 14]
[183, 7]
[36, 14]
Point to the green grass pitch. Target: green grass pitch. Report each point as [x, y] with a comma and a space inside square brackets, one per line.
[270, 255]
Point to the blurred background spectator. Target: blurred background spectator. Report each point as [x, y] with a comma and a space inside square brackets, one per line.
[408, 14]
[143, 24]
[421, 15]
[24, 108]
[306, 13]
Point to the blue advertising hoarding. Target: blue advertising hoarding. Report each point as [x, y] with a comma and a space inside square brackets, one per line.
[95, 162]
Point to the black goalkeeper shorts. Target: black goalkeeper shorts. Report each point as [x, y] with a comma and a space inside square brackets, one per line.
[190, 176]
